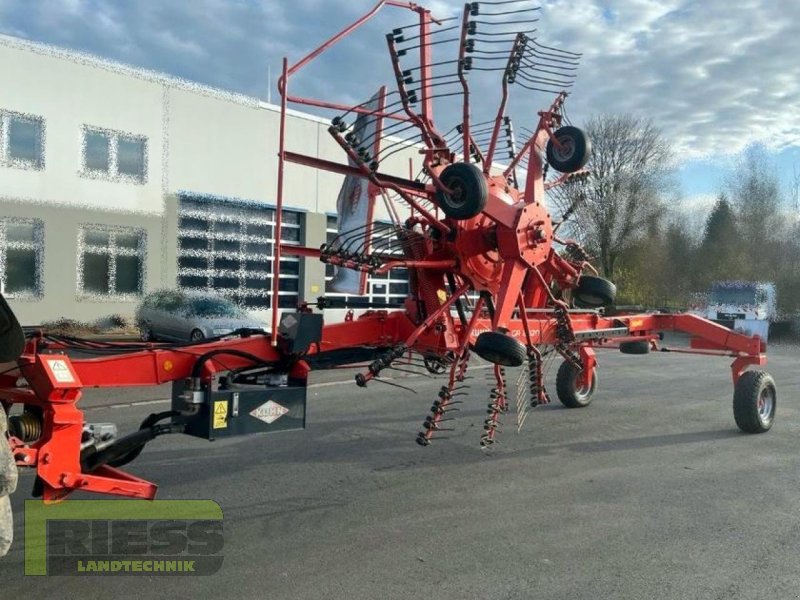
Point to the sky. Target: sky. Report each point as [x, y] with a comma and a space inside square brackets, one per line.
[715, 76]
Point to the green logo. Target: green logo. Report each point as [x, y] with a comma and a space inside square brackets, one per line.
[123, 537]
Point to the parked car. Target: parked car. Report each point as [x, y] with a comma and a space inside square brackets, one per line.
[182, 316]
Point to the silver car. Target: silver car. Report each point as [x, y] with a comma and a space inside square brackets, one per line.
[181, 316]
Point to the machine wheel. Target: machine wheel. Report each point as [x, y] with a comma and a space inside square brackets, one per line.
[197, 335]
[8, 483]
[635, 347]
[567, 387]
[754, 401]
[469, 191]
[500, 348]
[594, 292]
[573, 154]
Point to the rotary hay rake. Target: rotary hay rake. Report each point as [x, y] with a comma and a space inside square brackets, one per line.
[488, 274]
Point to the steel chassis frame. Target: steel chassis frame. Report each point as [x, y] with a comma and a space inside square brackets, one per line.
[56, 454]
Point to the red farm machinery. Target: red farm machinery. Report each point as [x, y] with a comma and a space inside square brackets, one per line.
[489, 274]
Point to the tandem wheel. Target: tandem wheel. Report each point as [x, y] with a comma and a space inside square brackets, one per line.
[594, 292]
[635, 347]
[574, 150]
[567, 388]
[500, 348]
[755, 401]
[468, 191]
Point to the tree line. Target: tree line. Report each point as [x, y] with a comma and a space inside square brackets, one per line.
[628, 215]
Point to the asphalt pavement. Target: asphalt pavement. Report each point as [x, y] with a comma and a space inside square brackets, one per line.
[651, 492]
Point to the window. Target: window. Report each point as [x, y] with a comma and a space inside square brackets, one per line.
[388, 288]
[391, 287]
[21, 249]
[111, 261]
[21, 140]
[98, 152]
[114, 155]
[228, 248]
[130, 157]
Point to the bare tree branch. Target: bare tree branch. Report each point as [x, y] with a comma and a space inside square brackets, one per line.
[631, 169]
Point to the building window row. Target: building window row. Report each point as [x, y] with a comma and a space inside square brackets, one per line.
[113, 155]
[229, 252]
[105, 153]
[111, 261]
[229, 249]
[388, 288]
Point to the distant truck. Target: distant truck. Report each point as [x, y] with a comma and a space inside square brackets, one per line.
[746, 306]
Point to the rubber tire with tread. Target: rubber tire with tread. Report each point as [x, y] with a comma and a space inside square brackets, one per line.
[594, 292]
[635, 347]
[196, 338]
[566, 388]
[471, 191]
[579, 143]
[746, 394]
[500, 348]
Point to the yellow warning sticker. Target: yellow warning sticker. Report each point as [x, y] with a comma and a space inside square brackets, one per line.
[220, 414]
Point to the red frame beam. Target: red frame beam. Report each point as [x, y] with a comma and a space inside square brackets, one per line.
[56, 454]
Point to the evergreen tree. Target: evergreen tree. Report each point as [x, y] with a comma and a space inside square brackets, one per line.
[720, 251]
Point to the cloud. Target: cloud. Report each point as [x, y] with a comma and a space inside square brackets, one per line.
[702, 203]
[713, 76]
[710, 76]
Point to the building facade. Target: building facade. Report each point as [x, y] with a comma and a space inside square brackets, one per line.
[116, 181]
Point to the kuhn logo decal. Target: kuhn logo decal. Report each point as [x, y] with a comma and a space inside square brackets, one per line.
[269, 412]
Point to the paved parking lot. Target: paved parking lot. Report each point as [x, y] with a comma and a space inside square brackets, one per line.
[651, 492]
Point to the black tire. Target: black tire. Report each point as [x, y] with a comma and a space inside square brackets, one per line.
[500, 348]
[755, 401]
[635, 347]
[12, 338]
[575, 151]
[197, 335]
[469, 191]
[567, 388]
[594, 292]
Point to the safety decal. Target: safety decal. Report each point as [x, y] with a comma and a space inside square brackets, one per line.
[60, 370]
[220, 414]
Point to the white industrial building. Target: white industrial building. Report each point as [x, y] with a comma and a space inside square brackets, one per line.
[116, 181]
